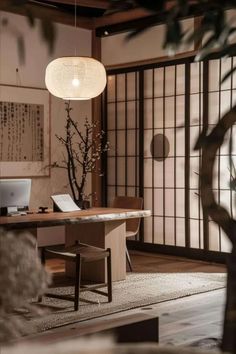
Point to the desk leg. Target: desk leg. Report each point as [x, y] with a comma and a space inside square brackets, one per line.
[33, 232]
[101, 234]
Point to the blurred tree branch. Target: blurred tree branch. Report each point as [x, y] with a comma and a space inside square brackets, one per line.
[215, 33]
[46, 26]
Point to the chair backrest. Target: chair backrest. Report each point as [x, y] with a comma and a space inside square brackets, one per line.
[132, 225]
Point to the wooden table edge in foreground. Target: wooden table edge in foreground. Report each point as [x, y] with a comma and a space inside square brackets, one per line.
[101, 227]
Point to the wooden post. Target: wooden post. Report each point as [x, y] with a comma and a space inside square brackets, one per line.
[96, 117]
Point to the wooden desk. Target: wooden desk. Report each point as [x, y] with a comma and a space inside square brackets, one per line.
[102, 227]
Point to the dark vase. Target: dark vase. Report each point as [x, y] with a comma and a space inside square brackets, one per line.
[82, 204]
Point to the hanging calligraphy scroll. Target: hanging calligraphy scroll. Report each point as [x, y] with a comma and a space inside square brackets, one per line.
[24, 131]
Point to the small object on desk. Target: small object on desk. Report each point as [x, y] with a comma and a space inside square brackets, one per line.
[12, 210]
[64, 202]
[43, 210]
[55, 208]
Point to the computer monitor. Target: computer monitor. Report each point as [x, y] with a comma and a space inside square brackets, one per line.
[14, 195]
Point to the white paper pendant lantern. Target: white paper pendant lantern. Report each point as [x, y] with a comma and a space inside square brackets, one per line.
[75, 78]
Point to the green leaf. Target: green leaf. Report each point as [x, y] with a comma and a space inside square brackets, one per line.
[210, 42]
[232, 184]
[232, 30]
[198, 34]
[173, 34]
[21, 49]
[30, 17]
[228, 74]
[183, 7]
[230, 50]
[136, 32]
[48, 33]
[205, 53]
[219, 22]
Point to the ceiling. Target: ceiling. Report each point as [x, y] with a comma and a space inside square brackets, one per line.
[90, 14]
[85, 8]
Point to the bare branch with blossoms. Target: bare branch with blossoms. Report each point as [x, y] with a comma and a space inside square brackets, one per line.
[84, 147]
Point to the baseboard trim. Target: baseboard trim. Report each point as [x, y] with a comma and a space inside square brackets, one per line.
[190, 253]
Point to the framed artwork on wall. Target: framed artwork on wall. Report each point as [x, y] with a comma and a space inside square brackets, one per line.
[25, 115]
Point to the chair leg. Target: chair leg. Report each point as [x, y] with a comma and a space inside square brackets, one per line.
[43, 261]
[109, 276]
[128, 259]
[43, 258]
[77, 281]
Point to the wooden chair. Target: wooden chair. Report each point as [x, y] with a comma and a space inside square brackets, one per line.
[81, 253]
[132, 225]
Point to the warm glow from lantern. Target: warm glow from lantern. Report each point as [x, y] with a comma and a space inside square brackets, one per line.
[75, 82]
[75, 78]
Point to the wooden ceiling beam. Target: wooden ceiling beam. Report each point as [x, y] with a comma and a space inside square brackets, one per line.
[128, 15]
[98, 4]
[120, 17]
[139, 18]
[55, 14]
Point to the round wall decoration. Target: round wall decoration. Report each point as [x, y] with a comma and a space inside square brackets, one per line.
[160, 147]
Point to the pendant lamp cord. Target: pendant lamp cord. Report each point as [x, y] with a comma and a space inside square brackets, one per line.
[75, 21]
[75, 14]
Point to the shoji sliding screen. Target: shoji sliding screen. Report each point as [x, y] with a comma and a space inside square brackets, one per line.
[196, 123]
[164, 154]
[221, 97]
[122, 129]
[154, 116]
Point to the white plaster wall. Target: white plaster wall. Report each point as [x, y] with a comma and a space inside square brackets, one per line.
[148, 45]
[32, 74]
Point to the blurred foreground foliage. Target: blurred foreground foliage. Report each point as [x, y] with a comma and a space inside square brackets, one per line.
[46, 26]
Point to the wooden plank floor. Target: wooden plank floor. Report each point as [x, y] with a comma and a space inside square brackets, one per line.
[182, 321]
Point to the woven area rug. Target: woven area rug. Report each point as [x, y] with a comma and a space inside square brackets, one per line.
[138, 290]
